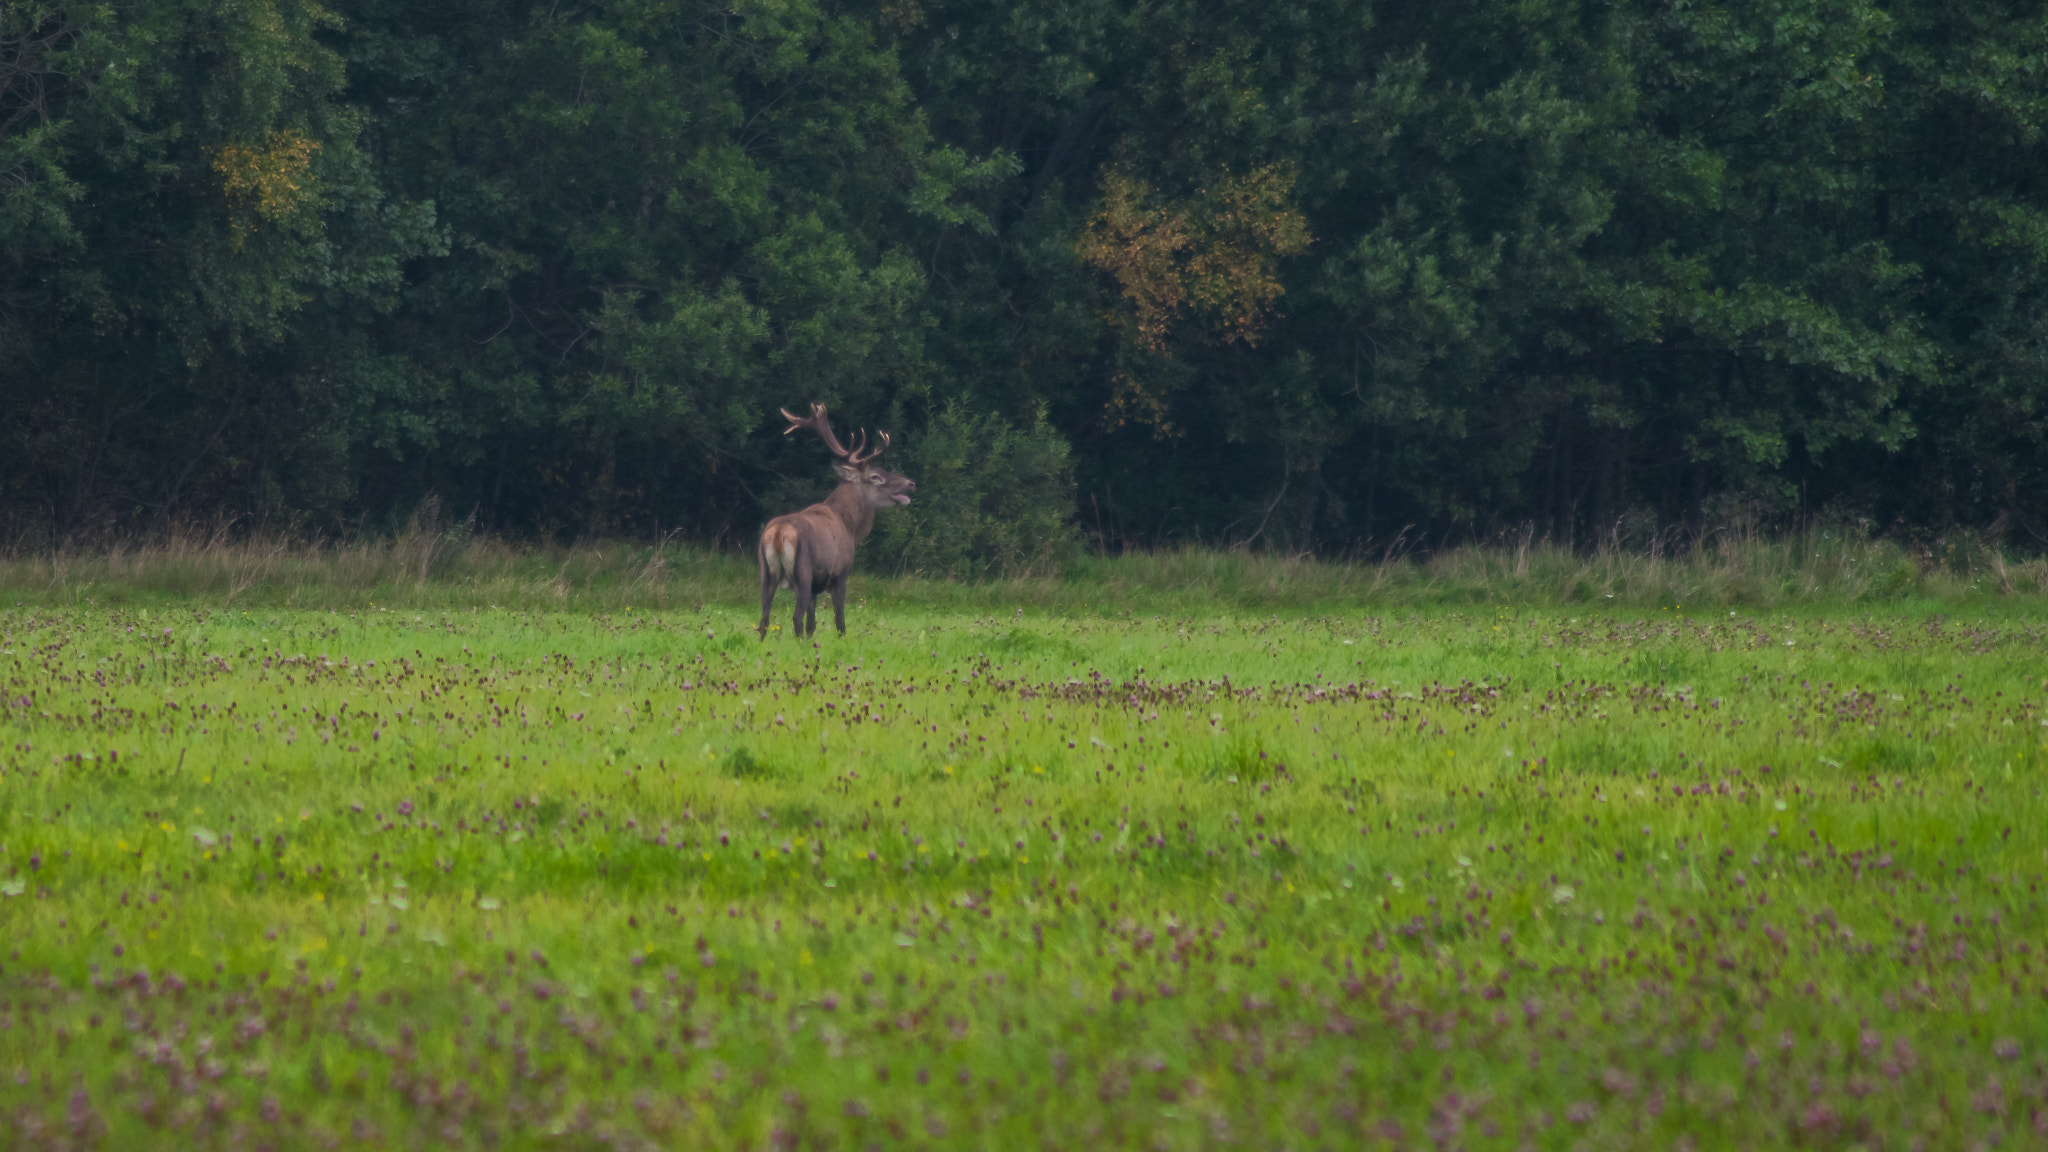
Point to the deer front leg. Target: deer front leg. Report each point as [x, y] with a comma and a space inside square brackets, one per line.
[839, 603]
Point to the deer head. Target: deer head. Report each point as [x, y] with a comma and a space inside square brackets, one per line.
[876, 488]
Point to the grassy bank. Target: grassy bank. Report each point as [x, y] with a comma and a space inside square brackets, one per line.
[428, 571]
[1491, 878]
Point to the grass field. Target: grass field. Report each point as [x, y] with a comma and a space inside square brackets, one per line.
[1616, 878]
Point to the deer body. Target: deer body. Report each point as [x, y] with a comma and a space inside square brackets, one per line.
[812, 549]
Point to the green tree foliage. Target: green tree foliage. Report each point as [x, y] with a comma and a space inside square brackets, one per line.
[993, 500]
[1303, 274]
[1566, 260]
[181, 179]
[666, 219]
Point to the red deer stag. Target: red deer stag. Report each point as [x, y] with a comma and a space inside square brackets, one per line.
[814, 548]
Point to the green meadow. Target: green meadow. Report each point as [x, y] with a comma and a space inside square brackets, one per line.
[984, 876]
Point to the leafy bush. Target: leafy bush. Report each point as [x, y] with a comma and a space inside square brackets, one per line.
[992, 500]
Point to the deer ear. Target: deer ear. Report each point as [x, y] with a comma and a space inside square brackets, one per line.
[846, 472]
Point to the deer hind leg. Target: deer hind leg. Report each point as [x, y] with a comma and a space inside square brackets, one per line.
[801, 580]
[778, 560]
[768, 582]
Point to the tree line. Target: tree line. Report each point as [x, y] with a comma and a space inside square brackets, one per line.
[1305, 274]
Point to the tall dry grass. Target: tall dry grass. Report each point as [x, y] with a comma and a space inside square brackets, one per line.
[1821, 567]
[435, 567]
[422, 567]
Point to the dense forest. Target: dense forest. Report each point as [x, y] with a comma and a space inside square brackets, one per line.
[1301, 274]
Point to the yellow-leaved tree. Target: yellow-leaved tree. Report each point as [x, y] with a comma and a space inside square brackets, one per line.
[1203, 266]
[270, 179]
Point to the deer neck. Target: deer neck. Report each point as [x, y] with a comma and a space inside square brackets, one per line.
[851, 506]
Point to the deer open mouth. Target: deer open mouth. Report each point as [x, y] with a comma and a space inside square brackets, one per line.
[900, 498]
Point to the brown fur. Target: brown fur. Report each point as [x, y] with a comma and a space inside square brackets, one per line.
[812, 549]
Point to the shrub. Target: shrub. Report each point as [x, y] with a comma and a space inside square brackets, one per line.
[992, 499]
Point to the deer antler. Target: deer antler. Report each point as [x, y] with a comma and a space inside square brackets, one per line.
[818, 423]
[860, 457]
